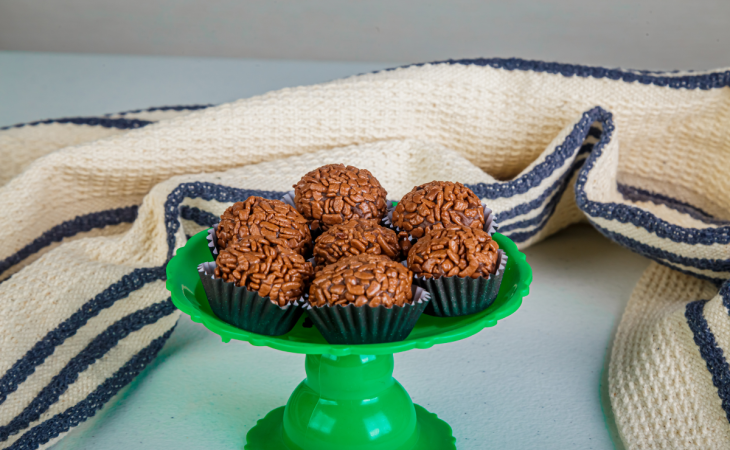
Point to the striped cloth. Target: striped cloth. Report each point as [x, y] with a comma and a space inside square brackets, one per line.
[93, 208]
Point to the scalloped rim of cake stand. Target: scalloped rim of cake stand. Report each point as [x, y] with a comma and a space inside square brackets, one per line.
[186, 292]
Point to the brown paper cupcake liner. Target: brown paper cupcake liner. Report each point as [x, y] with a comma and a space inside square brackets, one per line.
[456, 296]
[367, 325]
[247, 309]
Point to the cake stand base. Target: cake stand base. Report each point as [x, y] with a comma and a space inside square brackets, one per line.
[350, 403]
[349, 400]
[268, 434]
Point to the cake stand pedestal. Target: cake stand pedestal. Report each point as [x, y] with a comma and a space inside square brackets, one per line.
[349, 400]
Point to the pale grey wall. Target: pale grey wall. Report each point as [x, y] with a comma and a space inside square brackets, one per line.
[656, 34]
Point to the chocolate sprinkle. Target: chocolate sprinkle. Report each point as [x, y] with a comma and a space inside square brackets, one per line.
[372, 280]
[454, 251]
[333, 194]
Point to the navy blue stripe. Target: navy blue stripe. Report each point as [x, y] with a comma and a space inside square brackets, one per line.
[106, 122]
[206, 191]
[122, 124]
[163, 108]
[60, 423]
[72, 227]
[725, 294]
[716, 281]
[595, 132]
[707, 81]
[198, 216]
[549, 209]
[45, 347]
[97, 348]
[641, 195]
[710, 351]
[546, 214]
[525, 208]
[568, 149]
[636, 216]
[658, 254]
[26, 365]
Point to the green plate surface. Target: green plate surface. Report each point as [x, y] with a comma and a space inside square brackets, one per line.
[188, 295]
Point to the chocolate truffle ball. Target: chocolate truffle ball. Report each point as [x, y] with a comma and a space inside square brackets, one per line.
[275, 220]
[260, 265]
[354, 237]
[454, 251]
[438, 204]
[334, 194]
[372, 280]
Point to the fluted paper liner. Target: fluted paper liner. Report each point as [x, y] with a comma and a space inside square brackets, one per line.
[367, 325]
[246, 309]
[212, 241]
[456, 296]
[288, 198]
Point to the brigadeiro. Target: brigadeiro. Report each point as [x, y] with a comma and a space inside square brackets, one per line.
[365, 299]
[461, 267]
[335, 193]
[257, 285]
[438, 204]
[355, 237]
[278, 222]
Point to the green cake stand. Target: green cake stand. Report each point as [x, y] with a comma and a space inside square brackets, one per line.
[349, 400]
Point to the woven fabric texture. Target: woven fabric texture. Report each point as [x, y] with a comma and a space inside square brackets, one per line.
[93, 208]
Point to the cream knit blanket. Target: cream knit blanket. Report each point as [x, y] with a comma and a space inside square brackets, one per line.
[92, 209]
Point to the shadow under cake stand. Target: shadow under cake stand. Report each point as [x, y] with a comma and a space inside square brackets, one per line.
[349, 400]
